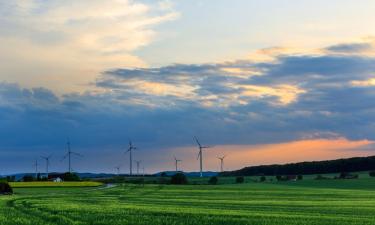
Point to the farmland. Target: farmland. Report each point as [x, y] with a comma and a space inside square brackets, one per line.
[296, 202]
[54, 184]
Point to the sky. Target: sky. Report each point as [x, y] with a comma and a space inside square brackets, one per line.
[260, 81]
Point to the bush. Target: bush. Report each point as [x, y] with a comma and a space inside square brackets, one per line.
[240, 180]
[321, 177]
[372, 173]
[5, 188]
[28, 178]
[70, 177]
[279, 177]
[163, 180]
[179, 178]
[262, 179]
[11, 178]
[345, 175]
[299, 177]
[213, 180]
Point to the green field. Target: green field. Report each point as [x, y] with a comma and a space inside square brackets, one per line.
[309, 201]
[54, 184]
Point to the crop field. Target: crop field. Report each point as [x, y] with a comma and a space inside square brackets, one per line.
[306, 202]
[54, 184]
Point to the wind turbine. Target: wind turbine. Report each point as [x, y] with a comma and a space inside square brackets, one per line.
[138, 163]
[130, 150]
[69, 155]
[221, 162]
[36, 168]
[118, 170]
[176, 163]
[47, 158]
[200, 155]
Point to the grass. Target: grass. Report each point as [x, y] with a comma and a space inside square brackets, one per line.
[307, 202]
[54, 184]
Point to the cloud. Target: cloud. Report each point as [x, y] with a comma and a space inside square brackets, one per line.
[61, 41]
[351, 48]
[293, 97]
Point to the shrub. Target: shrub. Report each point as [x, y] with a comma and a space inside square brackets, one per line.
[213, 180]
[70, 177]
[28, 178]
[345, 175]
[240, 180]
[279, 177]
[262, 179]
[11, 178]
[163, 180]
[5, 188]
[321, 177]
[299, 177]
[372, 173]
[179, 178]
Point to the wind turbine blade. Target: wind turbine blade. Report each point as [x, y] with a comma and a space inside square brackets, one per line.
[199, 155]
[196, 139]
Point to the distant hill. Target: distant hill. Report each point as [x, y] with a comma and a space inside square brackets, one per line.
[314, 167]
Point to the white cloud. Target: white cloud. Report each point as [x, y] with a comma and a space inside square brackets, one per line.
[56, 42]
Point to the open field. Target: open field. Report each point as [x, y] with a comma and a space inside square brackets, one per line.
[307, 202]
[54, 184]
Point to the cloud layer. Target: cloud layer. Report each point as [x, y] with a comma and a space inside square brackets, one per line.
[293, 97]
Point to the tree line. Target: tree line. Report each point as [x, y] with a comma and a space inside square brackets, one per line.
[316, 167]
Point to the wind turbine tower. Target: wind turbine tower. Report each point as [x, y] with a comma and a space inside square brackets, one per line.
[118, 170]
[130, 150]
[69, 156]
[176, 163]
[200, 155]
[47, 158]
[36, 164]
[138, 163]
[221, 163]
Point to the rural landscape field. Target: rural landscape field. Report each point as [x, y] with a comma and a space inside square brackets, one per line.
[306, 202]
[187, 112]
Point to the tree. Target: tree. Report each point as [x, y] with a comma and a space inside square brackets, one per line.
[299, 177]
[28, 178]
[372, 173]
[5, 188]
[71, 177]
[179, 178]
[262, 179]
[11, 178]
[38, 177]
[213, 180]
[240, 180]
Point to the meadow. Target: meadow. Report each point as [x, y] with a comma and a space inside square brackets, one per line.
[305, 202]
